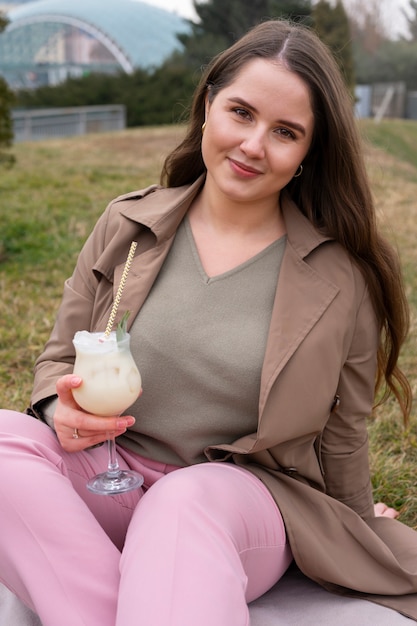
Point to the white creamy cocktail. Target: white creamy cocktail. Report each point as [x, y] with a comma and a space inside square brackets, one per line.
[110, 384]
[111, 380]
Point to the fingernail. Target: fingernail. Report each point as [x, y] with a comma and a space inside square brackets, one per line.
[129, 421]
[76, 380]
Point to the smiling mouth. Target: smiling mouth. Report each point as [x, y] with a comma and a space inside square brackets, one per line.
[243, 168]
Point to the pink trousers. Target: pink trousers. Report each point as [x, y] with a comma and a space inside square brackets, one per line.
[194, 546]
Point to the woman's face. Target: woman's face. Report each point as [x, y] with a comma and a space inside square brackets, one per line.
[258, 131]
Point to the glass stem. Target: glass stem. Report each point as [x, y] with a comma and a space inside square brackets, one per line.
[113, 465]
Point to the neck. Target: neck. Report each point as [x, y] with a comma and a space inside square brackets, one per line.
[224, 215]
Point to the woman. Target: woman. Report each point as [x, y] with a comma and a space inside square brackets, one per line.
[263, 305]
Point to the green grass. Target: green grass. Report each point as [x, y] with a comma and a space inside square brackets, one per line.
[396, 137]
[50, 202]
[53, 196]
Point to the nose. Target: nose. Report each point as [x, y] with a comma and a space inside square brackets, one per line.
[253, 144]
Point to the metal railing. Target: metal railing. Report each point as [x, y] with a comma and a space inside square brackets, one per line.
[41, 124]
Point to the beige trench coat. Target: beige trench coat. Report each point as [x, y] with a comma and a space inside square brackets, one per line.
[317, 388]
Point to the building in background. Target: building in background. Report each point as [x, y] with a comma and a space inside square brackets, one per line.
[48, 41]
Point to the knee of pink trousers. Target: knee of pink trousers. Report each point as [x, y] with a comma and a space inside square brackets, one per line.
[206, 539]
[241, 508]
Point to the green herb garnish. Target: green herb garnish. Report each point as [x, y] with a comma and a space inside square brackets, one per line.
[121, 329]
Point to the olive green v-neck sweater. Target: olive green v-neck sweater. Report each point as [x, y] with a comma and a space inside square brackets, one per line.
[199, 343]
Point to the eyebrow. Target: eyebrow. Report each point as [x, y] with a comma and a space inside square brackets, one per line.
[299, 127]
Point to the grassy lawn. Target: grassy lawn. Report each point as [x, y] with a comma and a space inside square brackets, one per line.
[51, 199]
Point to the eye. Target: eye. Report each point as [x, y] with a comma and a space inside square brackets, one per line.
[243, 113]
[285, 132]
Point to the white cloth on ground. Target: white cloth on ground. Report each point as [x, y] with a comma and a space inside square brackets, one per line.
[294, 601]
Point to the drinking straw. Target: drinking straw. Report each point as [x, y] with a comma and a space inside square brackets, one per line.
[120, 289]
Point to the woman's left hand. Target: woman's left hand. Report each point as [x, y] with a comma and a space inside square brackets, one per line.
[382, 510]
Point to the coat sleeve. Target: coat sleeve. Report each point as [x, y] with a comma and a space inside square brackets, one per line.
[344, 441]
[88, 294]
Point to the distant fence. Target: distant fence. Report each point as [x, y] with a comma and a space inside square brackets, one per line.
[411, 110]
[40, 124]
[386, 100]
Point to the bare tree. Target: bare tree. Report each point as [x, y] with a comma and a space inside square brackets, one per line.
[367, 23]
[411, 19]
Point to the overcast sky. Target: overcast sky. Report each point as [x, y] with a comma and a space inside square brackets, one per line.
[182, 7]
[392, 11]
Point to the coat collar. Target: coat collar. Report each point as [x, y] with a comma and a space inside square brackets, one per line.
[163, 211]
[301, 233]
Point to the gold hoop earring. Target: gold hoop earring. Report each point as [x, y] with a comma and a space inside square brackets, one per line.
[203, 128]
[299, 171]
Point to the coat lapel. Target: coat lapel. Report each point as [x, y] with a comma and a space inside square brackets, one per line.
[301, 298]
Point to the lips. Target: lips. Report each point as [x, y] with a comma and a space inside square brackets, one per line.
[243, 169]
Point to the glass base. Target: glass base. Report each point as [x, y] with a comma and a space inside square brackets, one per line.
[112, 483]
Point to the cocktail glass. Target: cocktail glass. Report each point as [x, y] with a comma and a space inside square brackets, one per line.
[111, 383]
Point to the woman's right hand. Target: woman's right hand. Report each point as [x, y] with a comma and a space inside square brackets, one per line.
[76, 429]
[382, 510]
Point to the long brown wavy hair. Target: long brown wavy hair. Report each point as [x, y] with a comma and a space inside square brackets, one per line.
[333, 191]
